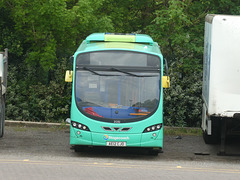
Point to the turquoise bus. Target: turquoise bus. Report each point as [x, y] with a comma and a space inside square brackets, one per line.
[117, 92]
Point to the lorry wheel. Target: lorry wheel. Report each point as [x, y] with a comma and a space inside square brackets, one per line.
[215, 137]
[209, 139]
[2, 117]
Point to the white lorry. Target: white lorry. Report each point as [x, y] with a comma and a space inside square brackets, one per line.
[3, 88]
[221, 79]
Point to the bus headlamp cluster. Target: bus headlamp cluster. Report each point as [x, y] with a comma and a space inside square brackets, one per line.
[79, 126]
[155, 127]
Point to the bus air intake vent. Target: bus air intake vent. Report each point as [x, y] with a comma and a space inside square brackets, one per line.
[125, 129]
[116, 128]
[107, 128]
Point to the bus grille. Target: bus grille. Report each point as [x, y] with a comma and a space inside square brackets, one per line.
[120, 129]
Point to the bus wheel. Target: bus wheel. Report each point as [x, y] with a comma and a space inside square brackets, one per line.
[153, 152]
[78, 148]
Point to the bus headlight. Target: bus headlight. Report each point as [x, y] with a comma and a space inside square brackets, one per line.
[79, 126]
[152, 128]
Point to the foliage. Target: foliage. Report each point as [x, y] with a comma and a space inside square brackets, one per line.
[42, 34]
[176, 27]
[182, 102]
[38, 102]
[179, 29]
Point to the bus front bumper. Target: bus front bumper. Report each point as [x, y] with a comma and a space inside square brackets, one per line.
[150, 139]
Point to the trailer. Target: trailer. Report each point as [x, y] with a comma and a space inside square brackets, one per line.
[3, 88]
[221, 79]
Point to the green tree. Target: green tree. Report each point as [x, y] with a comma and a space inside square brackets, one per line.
[129, 16]
[89, 19]
[42, 34]
[45, 27]
[178, 26]
[47, 32]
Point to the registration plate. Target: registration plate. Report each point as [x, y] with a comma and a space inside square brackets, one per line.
[116, 143]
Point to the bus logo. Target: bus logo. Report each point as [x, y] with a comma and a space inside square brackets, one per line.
[105, 137]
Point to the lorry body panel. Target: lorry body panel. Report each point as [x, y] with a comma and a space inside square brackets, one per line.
[221, 76]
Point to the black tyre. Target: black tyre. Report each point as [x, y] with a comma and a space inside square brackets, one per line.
[215, 137]
[79, 148]
[209, 139]
[153, 152]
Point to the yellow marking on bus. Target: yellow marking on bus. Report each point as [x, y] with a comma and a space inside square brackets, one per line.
[138, 114]
[119, 38]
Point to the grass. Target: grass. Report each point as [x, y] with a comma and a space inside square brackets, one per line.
[24, 128]
[174, 131]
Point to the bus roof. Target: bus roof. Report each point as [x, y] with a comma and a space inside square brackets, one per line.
[113, 41]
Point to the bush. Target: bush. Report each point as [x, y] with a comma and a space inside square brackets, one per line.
[182, 101]
[36, 101]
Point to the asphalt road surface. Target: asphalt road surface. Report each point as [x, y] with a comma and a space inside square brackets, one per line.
[45, 153]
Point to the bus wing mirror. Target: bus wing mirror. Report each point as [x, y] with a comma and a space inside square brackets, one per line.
[165, 81]
[69, 76]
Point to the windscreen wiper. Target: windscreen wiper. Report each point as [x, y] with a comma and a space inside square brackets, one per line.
[94, 72]
[132, 74]
[119, 70]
